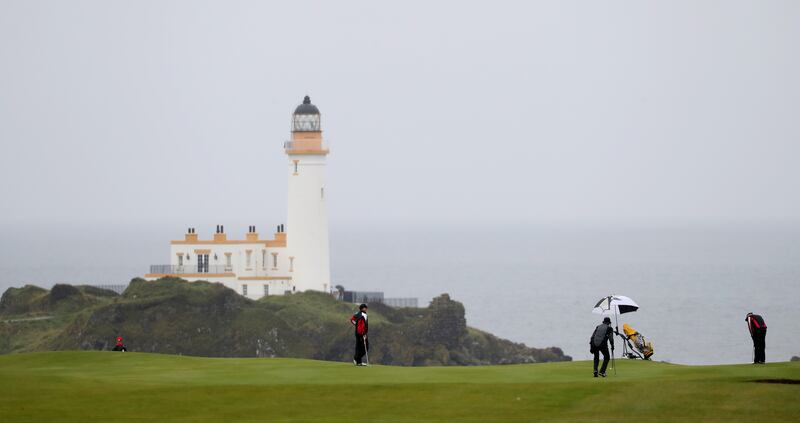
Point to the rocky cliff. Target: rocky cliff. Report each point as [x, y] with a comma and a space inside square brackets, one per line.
[173, 316]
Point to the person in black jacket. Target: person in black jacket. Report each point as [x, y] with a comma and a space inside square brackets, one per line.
[359, 321]
[758, 331]
[598, 343]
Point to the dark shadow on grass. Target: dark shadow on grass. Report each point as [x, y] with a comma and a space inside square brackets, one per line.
[779, 381]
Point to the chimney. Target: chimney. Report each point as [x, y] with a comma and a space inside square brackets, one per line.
[190, 235]
[252, 235]
[220, 235]
[280, 236]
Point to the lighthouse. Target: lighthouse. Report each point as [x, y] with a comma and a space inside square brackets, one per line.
[296, 258]
[307, 242]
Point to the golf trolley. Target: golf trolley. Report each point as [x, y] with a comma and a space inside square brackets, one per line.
[635, 345]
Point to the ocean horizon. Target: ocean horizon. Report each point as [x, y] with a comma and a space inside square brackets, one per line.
[530, 283]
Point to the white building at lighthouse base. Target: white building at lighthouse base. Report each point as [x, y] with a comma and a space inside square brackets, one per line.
[251, 266]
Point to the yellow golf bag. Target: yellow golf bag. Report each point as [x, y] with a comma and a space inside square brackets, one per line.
[638, 344]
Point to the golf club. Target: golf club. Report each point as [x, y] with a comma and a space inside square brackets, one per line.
[366, 350]
[613, 363]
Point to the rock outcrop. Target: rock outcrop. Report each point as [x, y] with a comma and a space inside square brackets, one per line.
[174, 316]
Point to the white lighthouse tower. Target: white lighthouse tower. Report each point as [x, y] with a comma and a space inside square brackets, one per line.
[307, 219]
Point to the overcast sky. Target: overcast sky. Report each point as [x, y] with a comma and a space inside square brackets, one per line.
[161, 111]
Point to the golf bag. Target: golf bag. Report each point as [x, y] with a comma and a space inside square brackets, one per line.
[638, 346]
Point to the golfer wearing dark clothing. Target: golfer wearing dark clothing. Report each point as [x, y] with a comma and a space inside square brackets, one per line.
[359, 321]
[598, 343]
[758, 331]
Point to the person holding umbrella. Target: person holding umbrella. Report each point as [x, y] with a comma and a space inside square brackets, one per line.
[598, 343]
[615, 305]
[359, 320]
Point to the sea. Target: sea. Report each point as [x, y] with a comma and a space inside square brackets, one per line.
[534, 283]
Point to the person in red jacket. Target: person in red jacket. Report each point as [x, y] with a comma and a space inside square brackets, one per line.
[758, 331]
[120, 346]
[359, 321]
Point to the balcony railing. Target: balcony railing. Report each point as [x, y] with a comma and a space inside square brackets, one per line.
[306, 145]
[175, 269]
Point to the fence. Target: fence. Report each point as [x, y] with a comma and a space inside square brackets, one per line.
[174, 269]
[401, 302]
[362, 297]
[377, 297]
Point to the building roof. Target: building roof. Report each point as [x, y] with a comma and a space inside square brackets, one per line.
[306, 108]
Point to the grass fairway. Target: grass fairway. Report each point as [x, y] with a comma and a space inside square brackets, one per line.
[97, 386]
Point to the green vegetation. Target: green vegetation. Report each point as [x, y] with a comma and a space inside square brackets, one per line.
[32, 317]
[98, 386]
[174, 316]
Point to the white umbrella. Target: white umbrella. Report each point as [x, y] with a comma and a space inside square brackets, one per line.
[614, 305]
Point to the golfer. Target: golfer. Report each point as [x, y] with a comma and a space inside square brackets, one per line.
[359, 320]
[758, 331]
[120, 346]
[598, 343]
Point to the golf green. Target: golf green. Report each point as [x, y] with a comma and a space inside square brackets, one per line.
[95, 386]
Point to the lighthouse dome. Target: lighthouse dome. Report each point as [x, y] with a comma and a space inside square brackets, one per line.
[306, 108]
[306, 117]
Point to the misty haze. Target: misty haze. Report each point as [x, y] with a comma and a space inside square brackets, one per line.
[527, 158]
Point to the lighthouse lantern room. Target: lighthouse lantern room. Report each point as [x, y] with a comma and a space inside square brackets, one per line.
[306, 117]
